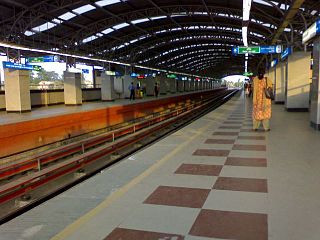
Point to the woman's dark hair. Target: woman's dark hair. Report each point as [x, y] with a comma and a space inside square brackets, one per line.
[260, 74]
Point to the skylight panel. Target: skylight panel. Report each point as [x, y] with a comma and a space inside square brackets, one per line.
[103, 3]
[262, 2]
[107, 31]
[28, 33]
[83, 9]
[57, 21]
[121, 25]
[44, 27]
[67, 16]
[89, 39]
[314, 12]
[140, 20]
[158, 17]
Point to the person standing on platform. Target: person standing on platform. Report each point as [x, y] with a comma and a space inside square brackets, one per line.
[261, 104]
[132, 91]
[156, 89]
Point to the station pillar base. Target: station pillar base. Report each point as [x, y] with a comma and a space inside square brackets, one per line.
[72, 89]
[107, 88]
[17, 90]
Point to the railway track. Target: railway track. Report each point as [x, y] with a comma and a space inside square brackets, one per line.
[27, 183]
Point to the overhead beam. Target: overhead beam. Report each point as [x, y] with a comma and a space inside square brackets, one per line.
[293, 10]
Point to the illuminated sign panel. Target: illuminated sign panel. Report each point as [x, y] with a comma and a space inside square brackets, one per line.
[311, 32]
[42, 59]
[286, 53]
[273, 49]
[19, 66]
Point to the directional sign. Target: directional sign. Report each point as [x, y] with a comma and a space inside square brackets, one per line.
[273, 49]
[286, 53]
[311, 32]
[274, 63]
[17, 66]
[50, 58]
[252, 50]
[248, 74]
[171, 76]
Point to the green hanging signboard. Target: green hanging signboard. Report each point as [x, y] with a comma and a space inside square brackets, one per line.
[253, 50]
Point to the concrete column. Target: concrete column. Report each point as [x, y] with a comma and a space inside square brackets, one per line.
[180, 86]
[298, 83]
[119, 87]
[315, 87]
[17, 90]
[97, 75]
[196, 85]
[72, 88]
[173, 85]
[279, 86]
[163, 85]
[150, 81]
[192, 85]
[126, 83]
[187, 86]
[107, 88]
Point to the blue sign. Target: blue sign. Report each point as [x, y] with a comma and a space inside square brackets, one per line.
[50, 58]
[270, 49]
[311, 32]
[134, 75]
[235, 51]
[17, 66]
[273, 49]
[85, 71]
[274, 62]
[286, 53]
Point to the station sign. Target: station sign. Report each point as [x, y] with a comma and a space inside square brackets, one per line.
[19, 66]
[273, 49]
[134, 75]
[274, 62]
[286, 53]
[311, 32]
[248, 74]
[50, 58]
[172, 76]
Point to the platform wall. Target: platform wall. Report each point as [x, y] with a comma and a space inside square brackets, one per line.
[52, 97]
[39, 132]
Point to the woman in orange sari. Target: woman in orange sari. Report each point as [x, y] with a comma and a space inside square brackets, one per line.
[261, 105]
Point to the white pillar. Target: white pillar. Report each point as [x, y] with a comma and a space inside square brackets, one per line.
[180, 86]
[298, 82]
[17, 90]
[126, 83]
[107, 88]
[315, 88]
[72, 88]
[119, 87]
[280, 83]
[173, 85]
[150, 81]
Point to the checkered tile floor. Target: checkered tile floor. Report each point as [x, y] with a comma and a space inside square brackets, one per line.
[229, 200]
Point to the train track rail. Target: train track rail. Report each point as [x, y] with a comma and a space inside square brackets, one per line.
[52, 172]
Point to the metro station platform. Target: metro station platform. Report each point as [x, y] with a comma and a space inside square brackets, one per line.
[213, 179]
[61, 109]
[49, 125]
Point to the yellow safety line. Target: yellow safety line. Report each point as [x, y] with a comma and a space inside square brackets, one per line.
[70, 229]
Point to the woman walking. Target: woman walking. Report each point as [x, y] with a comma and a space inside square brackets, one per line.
[261, 104]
